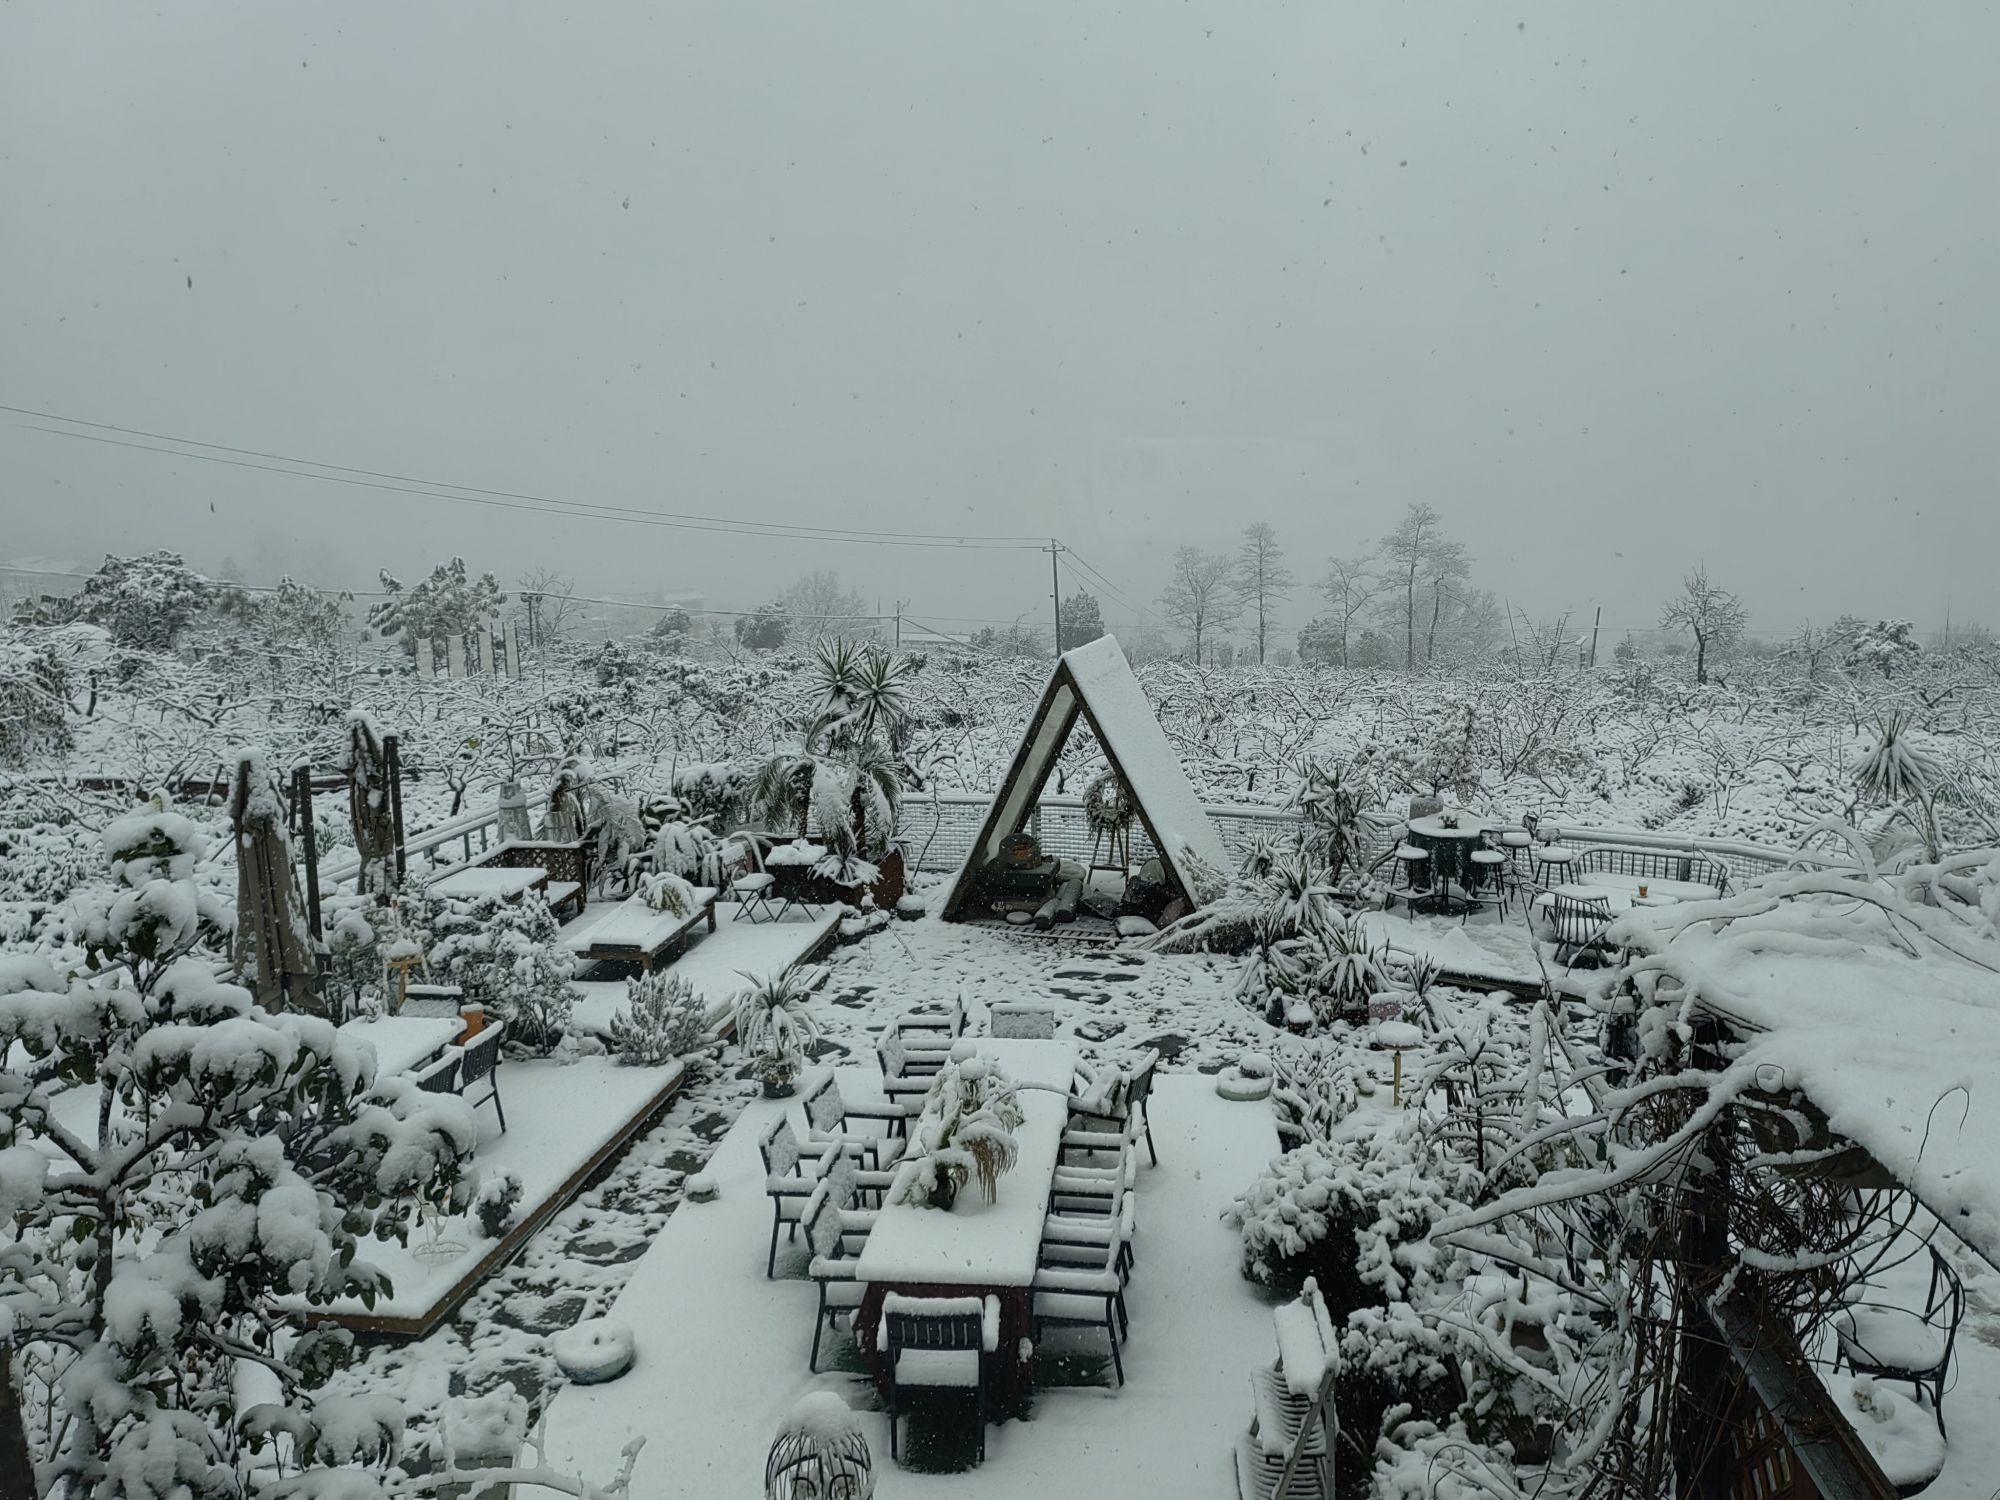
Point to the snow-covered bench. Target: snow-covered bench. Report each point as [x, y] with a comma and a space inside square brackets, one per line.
[636, 932]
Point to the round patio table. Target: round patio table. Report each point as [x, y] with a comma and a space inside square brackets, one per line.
[1450, 848]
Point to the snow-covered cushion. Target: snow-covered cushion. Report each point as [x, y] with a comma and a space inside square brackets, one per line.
[1073, 1307]
[752, 884]
[1556, 856]
[1890, 1338]
[1411, 851]
[956, 1368]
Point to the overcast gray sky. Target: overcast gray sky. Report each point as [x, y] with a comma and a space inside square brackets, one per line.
[1615, 288]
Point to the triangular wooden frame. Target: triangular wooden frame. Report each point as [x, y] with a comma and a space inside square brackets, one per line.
[1063, 702]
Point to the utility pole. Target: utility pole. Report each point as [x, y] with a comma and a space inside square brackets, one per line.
[901, 604]
[1593, 634]
[1053, 549]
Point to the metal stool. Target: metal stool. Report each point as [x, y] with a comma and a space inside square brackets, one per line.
[1410, 863]
[1489, 868]
[1551, 864]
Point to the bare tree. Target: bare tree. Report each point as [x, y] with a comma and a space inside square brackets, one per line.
[1713, 616]
[1200, 595]
[1348, 588]
[551, 602]
[819, 604]
[1262, 579]
[1420, 564]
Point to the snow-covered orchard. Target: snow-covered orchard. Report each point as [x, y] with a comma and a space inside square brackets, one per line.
[1616, 1159]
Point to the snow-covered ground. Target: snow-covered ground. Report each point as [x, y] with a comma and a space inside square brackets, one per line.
[722, 1351]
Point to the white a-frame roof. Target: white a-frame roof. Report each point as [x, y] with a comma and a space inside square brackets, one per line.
[1096, 683]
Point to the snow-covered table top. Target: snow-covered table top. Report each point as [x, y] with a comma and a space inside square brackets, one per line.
[1612, 898]
[1470, 826]
[490, 880]
[402, 1043]
[978, 1243]
[633, 924]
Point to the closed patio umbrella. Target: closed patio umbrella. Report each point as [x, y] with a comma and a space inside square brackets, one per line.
[273, 952]
[370, 805]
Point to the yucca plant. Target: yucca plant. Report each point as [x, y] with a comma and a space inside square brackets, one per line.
[1332, 804]
[774, 1028]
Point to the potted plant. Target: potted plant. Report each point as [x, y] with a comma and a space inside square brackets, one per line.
[966, 1130]
[773, 1028]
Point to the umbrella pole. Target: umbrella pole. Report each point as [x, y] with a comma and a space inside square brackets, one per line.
[392, 756]
[302, 797]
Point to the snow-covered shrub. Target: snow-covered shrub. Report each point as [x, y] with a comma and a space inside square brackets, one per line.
[716, 793]
[693, 852]
[34, 706]
[510, 955]
[1355, 1214]
[498, 1197]
[664, 1018]
[242, 1157]
[356, 975]
[667, 893]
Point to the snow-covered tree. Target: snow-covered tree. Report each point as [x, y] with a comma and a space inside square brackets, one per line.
[1263, 582]
[1711, 614]
[449, 602]
[763, 629]
[1082, 620]
[1349, 587]
[1419, 566]
[145, 602]
[249, 1156]
[1200, 596]
[819, 604]
[1887, 646]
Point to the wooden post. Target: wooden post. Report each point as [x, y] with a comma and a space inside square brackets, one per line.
[302, 799]
[393, 760]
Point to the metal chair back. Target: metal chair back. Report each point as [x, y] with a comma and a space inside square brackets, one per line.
[481, 1055]
[826, 1111]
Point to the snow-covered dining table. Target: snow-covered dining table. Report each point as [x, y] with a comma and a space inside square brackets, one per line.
[976, 1248]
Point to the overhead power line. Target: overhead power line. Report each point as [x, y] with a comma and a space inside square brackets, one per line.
[265, 461]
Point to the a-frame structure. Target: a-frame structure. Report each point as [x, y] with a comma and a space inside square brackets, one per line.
[1095, 682]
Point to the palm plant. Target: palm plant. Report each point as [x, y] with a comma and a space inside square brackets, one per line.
[1332, 804]
[843, 785]
[773, 1026]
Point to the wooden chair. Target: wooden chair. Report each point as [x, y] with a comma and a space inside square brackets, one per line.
[1897, 1344]
[938, 1344]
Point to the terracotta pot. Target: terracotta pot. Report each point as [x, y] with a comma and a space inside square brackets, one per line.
[473, 1015]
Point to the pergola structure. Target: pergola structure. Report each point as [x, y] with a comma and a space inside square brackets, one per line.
[1095, 683]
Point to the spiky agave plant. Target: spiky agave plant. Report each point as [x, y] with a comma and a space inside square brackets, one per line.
[1895, 770]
